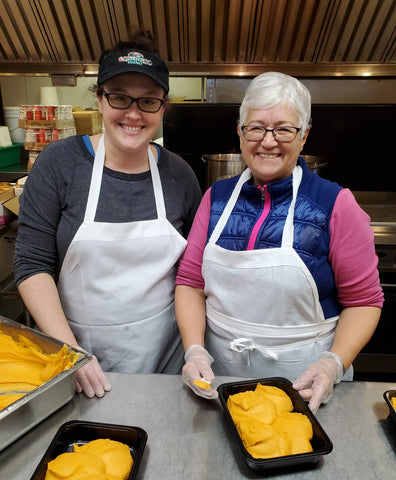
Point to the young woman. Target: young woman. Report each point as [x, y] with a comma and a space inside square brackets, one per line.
[103, 222]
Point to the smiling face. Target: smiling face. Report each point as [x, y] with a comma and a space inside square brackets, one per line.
[131, 130]
[270, 160]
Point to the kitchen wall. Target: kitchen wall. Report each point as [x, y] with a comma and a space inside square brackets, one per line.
[328, 91]
[25, 90]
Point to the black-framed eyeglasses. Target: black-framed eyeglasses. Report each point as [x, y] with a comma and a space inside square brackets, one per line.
[254, 133]
[123, 102]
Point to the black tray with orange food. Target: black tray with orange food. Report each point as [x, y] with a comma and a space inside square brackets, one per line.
[77, 432]
[321, 443]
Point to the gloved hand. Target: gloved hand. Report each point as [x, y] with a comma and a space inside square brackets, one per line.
[91, 379]
[316, 383]
[197, 367]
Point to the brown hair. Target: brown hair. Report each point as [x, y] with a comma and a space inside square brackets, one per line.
[140, 39]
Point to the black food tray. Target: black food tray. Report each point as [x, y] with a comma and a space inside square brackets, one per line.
[388, 395]
[320, 442]
[80, 432]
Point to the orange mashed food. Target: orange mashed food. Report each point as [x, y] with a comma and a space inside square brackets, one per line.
[101, 459]
[24, 366]
[267, 424]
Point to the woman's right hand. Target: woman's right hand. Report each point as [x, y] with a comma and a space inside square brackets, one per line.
[91, 379]
[197, 367]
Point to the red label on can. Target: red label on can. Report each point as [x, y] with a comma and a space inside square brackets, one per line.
[43, 135]
[29, 112]
[37, 112]
[51, 112]
[56, 134]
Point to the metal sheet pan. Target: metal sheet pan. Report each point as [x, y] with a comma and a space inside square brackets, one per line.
[31, 409]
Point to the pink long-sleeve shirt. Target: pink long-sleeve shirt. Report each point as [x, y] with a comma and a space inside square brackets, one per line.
[352, 253]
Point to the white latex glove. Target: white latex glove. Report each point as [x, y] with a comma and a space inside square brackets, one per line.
[197, 367]
[316, 383]
[91, 379]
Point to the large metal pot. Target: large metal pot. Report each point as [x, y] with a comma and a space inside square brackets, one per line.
[222, 165]
[314, 163]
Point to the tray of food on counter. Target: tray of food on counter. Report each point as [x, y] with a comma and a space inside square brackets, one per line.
[37, 377]
[271, 424]
[93, 450]
[390, 399]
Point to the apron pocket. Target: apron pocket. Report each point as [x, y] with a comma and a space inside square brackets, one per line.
[144, 346]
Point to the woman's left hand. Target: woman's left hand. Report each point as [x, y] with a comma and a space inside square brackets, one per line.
[91, 379]
[316, 383]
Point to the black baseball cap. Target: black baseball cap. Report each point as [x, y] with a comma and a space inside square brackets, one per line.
[137, 61]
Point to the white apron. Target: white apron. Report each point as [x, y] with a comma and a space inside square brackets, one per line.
[263, 312]
[117, 286]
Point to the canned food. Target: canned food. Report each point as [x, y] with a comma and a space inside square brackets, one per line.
[32, 158]
[68, 112]
[51, 112]
[60, 112]
[22, 112]
[48, 135]
[31, 135]
[44, 135]
[37, 112]
[29, 112]
[33, 155]
[56, 134]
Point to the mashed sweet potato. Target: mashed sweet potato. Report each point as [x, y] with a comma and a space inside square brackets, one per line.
[24, 366]
[101, 459]
[267, 425]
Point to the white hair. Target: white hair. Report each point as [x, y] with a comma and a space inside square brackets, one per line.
[272, 88]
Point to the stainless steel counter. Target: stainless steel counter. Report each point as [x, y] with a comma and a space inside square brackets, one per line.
[188, 437]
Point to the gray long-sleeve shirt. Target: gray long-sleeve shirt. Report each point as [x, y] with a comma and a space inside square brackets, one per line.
[53, 203]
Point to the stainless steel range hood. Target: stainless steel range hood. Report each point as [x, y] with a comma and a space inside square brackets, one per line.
[204, 37]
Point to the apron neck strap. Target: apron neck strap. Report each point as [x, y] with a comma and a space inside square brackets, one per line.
[157, 187]
[96, 182]
[245, 176]
[288, 231]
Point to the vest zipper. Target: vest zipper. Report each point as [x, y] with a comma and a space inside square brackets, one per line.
[264, 213]
[263, 192]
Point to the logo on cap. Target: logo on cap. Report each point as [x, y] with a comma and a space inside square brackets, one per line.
[135, 58]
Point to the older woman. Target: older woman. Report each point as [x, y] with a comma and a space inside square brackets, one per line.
[280, 274]
[103, 222]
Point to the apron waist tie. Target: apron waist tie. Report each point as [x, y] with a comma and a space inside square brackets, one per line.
[242, 344]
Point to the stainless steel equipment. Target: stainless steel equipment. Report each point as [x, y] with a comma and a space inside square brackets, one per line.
[32, 408]
[377, 361]
[225, 165]
[315, 163]
[222, 165]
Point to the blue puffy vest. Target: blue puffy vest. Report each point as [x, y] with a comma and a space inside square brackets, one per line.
[315, 202]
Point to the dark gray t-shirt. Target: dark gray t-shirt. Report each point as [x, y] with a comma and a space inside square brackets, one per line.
[53, 202]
